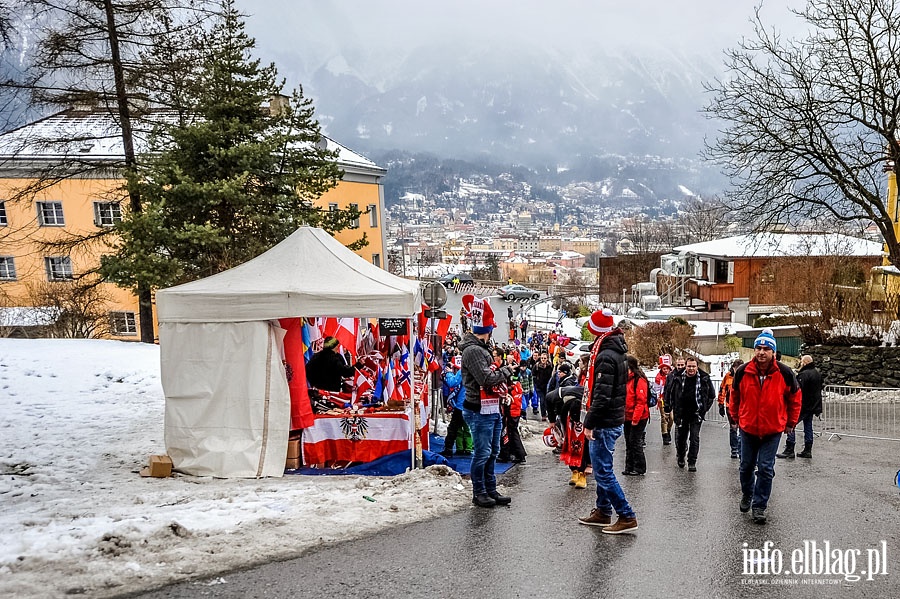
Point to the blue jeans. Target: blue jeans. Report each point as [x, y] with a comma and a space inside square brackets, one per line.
[758, 453]
[807, 431]
[485, 429]
[609, 493]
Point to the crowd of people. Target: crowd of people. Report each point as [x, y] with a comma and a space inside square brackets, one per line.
[591, 402]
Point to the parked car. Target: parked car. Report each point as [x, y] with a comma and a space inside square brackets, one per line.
[514, 292]
[464, 279]
[576, 349]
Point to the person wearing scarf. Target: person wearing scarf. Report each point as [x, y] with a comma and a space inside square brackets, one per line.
[485, 387]
[603, 421]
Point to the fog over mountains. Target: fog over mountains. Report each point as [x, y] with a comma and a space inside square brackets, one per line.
[575, 90]
[518, 104]
[559, 88]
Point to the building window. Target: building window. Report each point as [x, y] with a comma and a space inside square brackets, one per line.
[3, 221]
[7, 268]
[373, 216]
[376, 260]
[721, 271]
[107, 214]
[50, 214]
[332, 207]
[123, 323]
[354, 224]
[59, 268]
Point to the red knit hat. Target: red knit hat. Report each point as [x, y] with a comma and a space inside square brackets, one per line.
[601, 322]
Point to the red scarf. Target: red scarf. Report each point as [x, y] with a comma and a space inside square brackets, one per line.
[589, 383]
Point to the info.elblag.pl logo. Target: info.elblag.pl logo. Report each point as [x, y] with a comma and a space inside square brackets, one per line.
[813, 563]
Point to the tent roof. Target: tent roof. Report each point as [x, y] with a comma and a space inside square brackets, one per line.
[308, 274]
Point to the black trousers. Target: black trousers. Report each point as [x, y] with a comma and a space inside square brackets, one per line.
[635, 461]
[453, 428]
[511, 447]
[688, 429]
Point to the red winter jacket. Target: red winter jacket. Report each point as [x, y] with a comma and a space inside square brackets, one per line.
[767, 408]
[515, 408]
[636, 408]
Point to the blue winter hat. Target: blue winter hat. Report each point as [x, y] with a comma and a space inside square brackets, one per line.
[766, 339]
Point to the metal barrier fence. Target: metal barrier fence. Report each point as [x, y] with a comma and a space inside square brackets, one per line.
[861, 412]
[864, 412]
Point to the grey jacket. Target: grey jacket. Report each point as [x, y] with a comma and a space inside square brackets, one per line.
[476, 370]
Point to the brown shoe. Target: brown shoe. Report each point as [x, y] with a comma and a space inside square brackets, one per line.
[597, 518]
[574, 480]
[581, 483]
[622, 525]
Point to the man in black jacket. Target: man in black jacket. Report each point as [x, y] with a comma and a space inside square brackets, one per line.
[692, 396]
[485, 389]
[604, 422]
[810, 381]
[542, 372]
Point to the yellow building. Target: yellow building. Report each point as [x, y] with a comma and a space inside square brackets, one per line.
[37, 287]
[891, 274]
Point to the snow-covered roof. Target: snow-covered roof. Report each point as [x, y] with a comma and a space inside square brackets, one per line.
[769, 245]
[96, 136]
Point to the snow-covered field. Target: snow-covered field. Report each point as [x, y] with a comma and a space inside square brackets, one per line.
[79, 420]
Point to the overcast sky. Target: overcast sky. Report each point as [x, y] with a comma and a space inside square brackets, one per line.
[704, 25]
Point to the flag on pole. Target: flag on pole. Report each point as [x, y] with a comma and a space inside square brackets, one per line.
[378, 393]
[390, 389]
[404, 381]
[301, 408]
[306, 338]
[344, 330]
[361, 385]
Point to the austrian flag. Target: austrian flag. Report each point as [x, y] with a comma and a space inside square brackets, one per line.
[355, 437]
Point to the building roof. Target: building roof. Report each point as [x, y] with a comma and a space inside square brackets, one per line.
[771, 245]
[96, 136]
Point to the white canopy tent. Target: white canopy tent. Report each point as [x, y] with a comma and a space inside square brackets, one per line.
[227, 398]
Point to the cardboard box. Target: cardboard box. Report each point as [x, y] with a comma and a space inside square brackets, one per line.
[159, 466]
[293, 448]
[292, 464]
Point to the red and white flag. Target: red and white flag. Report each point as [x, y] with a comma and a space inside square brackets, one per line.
[361, 385]
[390, 389]
[355, 437]
[344, 330]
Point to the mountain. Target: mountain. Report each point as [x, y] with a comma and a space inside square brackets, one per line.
[516, 104]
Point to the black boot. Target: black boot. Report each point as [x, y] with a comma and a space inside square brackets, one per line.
[807, 451]
[484, 500]
[500, 499]
[788, 453]
[667, 439]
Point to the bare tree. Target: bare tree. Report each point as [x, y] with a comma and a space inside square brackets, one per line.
[78, 307]
[813, 123]
[703, 220]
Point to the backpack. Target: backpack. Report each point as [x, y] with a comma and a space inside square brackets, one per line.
[652, 397]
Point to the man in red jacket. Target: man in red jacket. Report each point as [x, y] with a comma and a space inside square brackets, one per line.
[765, 401]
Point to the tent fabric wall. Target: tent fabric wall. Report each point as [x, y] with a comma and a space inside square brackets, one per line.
[227, 399]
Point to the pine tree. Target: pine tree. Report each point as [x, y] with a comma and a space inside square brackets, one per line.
[235, 178]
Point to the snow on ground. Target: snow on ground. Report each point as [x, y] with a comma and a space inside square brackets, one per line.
[81, 417]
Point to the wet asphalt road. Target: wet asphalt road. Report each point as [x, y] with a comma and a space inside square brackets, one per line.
[689, 542]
